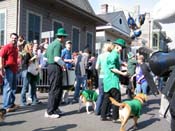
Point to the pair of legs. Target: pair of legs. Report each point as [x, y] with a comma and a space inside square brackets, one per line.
[100, 97]
[114, 93]
[55, 90]
[80, 81]
[131, 87]
[9, 89]
[143, 87]
[28, 79]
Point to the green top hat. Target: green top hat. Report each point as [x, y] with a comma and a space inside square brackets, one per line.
[130, 55]
[61, 32]
[120, 42]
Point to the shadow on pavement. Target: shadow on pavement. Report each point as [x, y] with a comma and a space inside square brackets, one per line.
[28, 109]
[154, 101]
[144, 124]
[59, 128]
[71, 112]
[147, 109]
[11, 123]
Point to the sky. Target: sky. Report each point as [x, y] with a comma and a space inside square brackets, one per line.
[145, 6]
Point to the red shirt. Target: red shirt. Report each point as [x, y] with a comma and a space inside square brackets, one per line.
[9, 53]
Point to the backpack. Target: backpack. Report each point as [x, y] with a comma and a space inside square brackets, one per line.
[77, 65]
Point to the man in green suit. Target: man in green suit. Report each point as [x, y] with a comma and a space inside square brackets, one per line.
[55, 66]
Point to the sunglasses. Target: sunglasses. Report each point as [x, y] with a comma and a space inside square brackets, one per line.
[61, 36]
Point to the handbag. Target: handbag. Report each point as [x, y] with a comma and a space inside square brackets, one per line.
[33, 68]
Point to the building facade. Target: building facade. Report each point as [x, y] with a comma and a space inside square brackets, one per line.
[116, 27]
[32, 17]
[152, 36]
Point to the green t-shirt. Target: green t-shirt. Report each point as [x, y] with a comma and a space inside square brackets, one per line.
[111, 79]
[54, 49]
[101, 61]
[135, 107]
[131, 66]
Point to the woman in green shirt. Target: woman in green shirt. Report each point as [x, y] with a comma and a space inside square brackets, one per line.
[100, 66]
[111, 80]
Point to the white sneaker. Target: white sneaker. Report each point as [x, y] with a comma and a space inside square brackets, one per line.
[29, 99]
[54, 116]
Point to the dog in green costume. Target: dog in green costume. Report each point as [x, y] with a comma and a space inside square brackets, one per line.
[88, 97]
[130, 108]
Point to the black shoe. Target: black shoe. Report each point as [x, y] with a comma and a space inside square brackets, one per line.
[116, 121]
[63, 103]
[103, 119]
[74, 101]
[59, 112]
[97, 114]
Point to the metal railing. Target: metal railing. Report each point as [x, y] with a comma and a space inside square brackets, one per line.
[42, 79]
[68, 79]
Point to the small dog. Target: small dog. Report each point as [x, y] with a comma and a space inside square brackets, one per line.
[130, 108]
[2, 114]
[88, 97]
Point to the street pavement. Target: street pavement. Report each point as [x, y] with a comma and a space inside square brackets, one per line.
[31, 118]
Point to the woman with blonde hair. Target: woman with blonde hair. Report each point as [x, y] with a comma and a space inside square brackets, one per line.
[111, 80]
[28, 78]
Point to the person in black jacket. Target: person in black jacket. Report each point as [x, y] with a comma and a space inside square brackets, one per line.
[28, 78]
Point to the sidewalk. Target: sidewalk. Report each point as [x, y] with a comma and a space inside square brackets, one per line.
[32, 118]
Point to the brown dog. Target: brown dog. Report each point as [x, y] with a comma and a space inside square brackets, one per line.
[2, 114]
[130, 108]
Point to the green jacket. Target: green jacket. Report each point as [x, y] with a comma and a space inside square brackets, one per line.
[54, 49]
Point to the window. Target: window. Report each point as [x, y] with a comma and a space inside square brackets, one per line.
[120, 21]
[2, 27]
[75, 39]
[34, 26]
[55, 25]
[89, 40]
[155, 40]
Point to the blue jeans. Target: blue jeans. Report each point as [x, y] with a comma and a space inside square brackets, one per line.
[142, 87]
[9, 88]
[24, 87]
[100, 97]
[28, 79]
[81, 81]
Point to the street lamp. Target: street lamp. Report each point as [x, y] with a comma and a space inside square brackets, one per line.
[149, 30]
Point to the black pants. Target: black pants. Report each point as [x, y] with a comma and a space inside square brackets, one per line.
[115, 93]
[131, 87]
[55, 90]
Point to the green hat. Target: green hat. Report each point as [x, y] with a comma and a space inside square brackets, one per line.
[130, 55]
[61, 32]
[120, 42]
